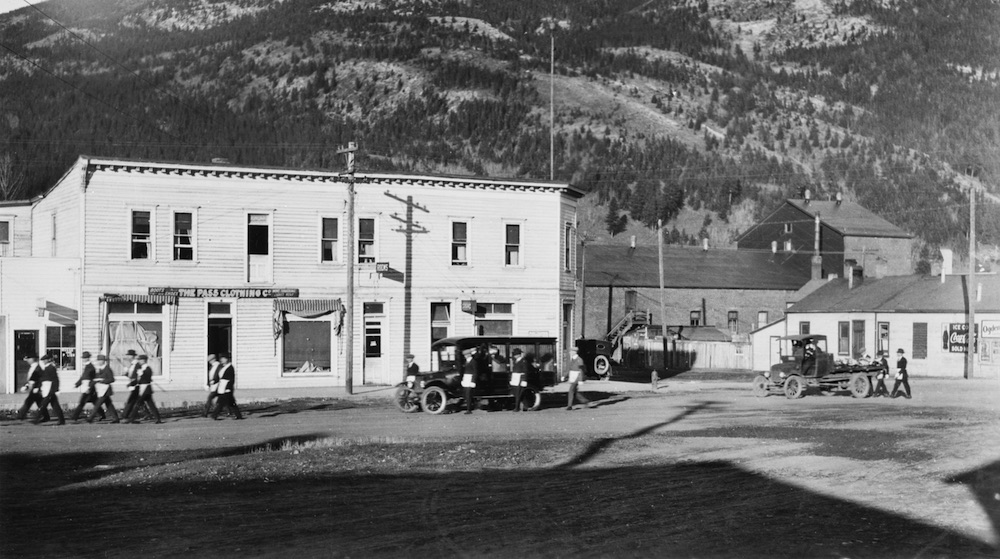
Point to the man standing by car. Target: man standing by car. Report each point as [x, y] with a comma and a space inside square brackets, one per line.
[575, 376]
[902, 377]
[518, 376]
[470, 374]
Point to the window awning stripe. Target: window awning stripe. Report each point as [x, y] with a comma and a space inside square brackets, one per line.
[308, 305]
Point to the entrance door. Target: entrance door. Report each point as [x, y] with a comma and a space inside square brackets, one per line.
[220, 328]
[374, 363]
[25, 343]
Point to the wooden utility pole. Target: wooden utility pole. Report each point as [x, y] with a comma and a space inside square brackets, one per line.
[659, 246]
[552, 102]
[349, 306]
[970, 353]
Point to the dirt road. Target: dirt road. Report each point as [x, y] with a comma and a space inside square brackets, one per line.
[692, 471]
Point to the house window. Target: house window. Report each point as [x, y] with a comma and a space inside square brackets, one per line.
[60, 342]
[631, 301]
[440, 321]
[139, 327]
[258, 248]
[459, 243]
[183, 236]
[142, 239]
[568, 251]
[328, 239]
[804, 328]
[788, 228]
[494, 319]
[733, 319]
[695, 319]
[5, 238]
[307, 347]
[858, 336]
[512, 246]
[919, 340]
[843, 338]
[761, 318]
[366, 241]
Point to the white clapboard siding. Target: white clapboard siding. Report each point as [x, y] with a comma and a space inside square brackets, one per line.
[62, 204]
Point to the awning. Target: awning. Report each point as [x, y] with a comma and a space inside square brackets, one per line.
[160, 298]
[306, 308]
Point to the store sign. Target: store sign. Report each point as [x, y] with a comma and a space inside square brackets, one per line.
[469, 306]
[381, 267]
[232, 293]
[990, 328]
[958, 337]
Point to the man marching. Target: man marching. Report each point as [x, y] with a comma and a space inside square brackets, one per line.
[880, 389]
[49, 391]
[104, 377]
[211, 383]
[575, 377]
[144, 391]
[86, 385]
[226, 378]
[902, 377]
[130, 373]
[33, 388]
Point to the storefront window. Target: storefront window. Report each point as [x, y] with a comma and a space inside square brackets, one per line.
[307, 346]
[60, 343]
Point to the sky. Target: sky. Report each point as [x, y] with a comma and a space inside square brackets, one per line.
[10, 5]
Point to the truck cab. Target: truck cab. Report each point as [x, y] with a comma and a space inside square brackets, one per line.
[803, 354]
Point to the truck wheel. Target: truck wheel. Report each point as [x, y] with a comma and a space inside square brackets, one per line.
[602, 366]
[434, 400]
[861, 385]
[531, 400]
[407, 400]
[760, 386]
[794, 387]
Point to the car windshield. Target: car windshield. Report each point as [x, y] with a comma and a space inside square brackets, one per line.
[797, 347]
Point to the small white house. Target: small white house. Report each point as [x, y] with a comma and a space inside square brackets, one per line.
[926, 316]
[180, 260]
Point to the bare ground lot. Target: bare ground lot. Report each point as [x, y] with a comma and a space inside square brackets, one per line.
[702, 470]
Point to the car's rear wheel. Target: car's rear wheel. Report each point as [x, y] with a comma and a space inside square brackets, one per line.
[407, 400]
[861, 385]
[760, 386]
[434, 400]
[531, 400]
[795, 387]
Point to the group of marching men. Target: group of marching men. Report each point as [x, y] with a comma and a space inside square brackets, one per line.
[95, 387]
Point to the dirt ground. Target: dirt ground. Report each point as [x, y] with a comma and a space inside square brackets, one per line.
[694, 470]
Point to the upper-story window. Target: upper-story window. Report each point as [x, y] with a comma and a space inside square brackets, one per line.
[695, 318]
[5, 238]
[788, 228]
[512, 245]
[183, 236]
[366, 241]
[568, 249]
[142, 237]
[459, 243]
[329, 241]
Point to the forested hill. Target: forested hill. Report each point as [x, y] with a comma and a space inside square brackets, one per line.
[703, 114]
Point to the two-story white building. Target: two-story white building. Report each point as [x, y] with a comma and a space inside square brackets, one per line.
[180, 260]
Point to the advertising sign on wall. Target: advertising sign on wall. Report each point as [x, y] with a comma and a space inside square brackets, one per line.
[958, 337]
[990, 328]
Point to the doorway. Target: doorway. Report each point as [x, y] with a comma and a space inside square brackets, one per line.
[374, 358]
[220, 328]
[25, 344]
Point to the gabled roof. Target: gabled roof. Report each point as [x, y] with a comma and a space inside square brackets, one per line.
[849, 219]
[901, 294]
[692, 267]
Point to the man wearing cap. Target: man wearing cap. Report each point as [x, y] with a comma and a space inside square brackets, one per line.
[86, 385]
[902, 377]
[49, 391]
[470, 375]
[33, 388]
[211, 383]
[880, 390]
[104, 377]
[144, 391]
[575, 377]
[411, 366]
[518, 376]
[226, 378]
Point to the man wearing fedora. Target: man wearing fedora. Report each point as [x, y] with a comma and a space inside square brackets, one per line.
[902, 377]
[225, 378]
[132, 375]
[86, 385]
[33, 388]
[104, 377]
[49, 391]
[144, 391]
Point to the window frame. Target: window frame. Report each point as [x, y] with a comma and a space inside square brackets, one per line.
[695, 318]
[467, 262]
[246, 246]
[151, 242]
[374, 241]
[568, 249]
[6, 245]
[733, 321]
[193, 234]
[519, 245]
[60, 347]
[843, 337]
[334, 348]
[337, 251]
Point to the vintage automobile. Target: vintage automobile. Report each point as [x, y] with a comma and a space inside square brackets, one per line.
[596, 356]
[805, 362]
[441, 387]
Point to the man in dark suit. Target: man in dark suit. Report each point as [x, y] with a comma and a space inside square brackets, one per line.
[104, 377]
[902, 377]
[33, 388]
[880, 389]
[130, 373]
[49, 391]
[470, 375]
[211, 383]
[143, 384]
[86, 385]
[518, 376]
[226, 378]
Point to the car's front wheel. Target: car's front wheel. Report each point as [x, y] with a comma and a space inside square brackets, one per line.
[434, 400]
[407, 400]
[531, 400]
[761, 385]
